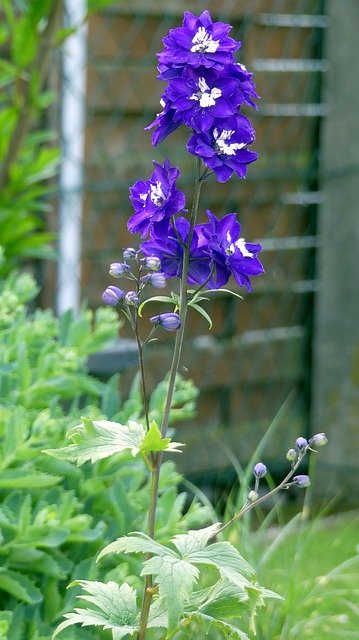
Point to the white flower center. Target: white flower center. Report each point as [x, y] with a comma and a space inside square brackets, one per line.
[207, 97]
[240, 244]
[222, 146]
[157, 196]
[203, 43]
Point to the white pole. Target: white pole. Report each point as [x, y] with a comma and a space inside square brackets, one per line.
[72, 161]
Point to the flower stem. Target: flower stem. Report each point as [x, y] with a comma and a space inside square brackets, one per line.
[177, 351]
[250, 505]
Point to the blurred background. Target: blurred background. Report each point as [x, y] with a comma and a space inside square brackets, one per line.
[295, 340]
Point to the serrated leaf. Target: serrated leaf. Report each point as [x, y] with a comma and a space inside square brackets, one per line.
[227, 630]
[98, 439]
[136, 542]
[153, 441]
[195, 539]
[202, 312]
[19, 586]
[113, 607]
[227, 560]
[158, 616]
[176, 579]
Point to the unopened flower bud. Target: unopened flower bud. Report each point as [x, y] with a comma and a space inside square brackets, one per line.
[129, 253]
[253, 496]
[291, 455]
[152, 263]
[118, 269]
[157, 280]
[169, 321]
[319, 440]
[259, 470]
[301, 444]
[131, 297]
[113, 296]
[301, 481]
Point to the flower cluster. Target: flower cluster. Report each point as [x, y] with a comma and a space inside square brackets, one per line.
[205, 91]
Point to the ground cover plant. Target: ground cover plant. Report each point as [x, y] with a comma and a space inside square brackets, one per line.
[194, 582]
[55, 517]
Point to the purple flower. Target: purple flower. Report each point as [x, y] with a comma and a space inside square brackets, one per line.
[224, 147]
[201, 95]
[164, 122]
[198, 43]
[169, 249]
[152, 263]
[301, 481]
[259, 470]
[155, 200]
[245, 84]
[230, 252]
[301, 444]
[113, 296]
[169, 321]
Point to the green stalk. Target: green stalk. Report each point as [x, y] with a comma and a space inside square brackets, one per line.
[177, 352]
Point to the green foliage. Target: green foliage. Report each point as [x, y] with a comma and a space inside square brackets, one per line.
[176, 570]
[54, 517]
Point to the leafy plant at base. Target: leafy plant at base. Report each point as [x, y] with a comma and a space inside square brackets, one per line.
[55, 517]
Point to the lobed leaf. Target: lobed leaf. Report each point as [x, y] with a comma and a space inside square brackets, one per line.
[98, 439]
[137, 542]
[113, 607]
[153, 441]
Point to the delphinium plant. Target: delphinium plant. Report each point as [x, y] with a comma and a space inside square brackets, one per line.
[196, 580]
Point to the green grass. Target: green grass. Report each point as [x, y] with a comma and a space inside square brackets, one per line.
[315, 567]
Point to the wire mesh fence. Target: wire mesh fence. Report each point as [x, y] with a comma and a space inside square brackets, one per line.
[259, 350]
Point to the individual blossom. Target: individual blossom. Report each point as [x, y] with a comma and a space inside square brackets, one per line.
[259, 470]
[113, 296]
[245, 83]
[201, 95]
[224, 148]
[231, 254]
[169, 249]
[198, 43]
[155, 200]
[169, 321]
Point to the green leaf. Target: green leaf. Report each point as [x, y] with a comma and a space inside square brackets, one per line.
[113, 607]
[195, 540]
[23, 478]
[153, 441]
[227, 630]
[221, 600]
[137, 542]
[98, 439]
[176, 579]
[19, 586]
[202, 312]
[227, 560]
[24, 42]
[155, 299]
